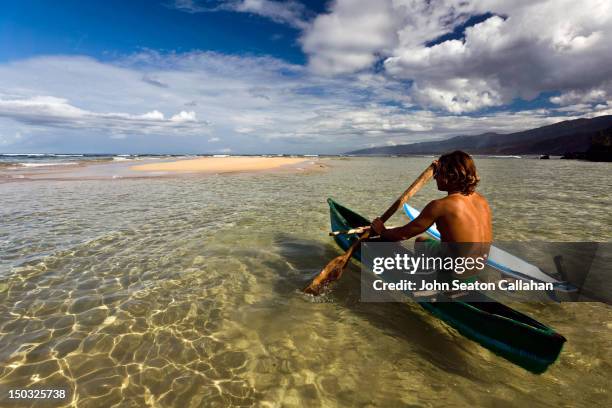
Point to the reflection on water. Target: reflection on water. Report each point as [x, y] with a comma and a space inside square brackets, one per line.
[184, 292]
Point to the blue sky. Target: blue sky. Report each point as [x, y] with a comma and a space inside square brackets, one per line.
[106, 29]
[264, 76]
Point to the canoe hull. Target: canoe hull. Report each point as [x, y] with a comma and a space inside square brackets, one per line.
[505, 331]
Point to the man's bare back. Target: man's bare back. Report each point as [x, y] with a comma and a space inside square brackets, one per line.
[459, 218]
[462, 216]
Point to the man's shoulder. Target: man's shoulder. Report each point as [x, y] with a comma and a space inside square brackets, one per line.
[453, 202]
[440, 204]
[444, 201]
[481, 198]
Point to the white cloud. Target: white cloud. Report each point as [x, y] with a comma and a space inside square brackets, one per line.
[523, 49]
[584, 96]
[188, 6]
[184, 116]
[51, 111]
[155, 115]
[600, 109]
[253, 104]
[579, 107]
[287, 12]
[349, 38]
[520, 49]
[457, 95]
[290, 12]
[357, 33]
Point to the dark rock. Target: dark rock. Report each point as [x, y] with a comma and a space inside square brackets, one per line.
[601, 147]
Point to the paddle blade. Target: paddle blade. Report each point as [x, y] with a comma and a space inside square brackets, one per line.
[332, 271]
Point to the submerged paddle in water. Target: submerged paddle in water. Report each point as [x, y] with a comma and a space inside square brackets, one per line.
[334, 269]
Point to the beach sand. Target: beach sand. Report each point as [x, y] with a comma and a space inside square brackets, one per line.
[156, 167]
[221, 164]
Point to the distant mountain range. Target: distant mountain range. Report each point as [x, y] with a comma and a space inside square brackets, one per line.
[575, 137]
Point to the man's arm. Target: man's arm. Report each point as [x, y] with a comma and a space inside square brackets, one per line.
[419, 225]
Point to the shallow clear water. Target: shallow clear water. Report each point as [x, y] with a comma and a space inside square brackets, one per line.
[186, 291]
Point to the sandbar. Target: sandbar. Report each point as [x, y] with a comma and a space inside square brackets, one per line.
[220, 164]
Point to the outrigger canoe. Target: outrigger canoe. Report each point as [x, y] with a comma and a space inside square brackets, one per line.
[505, 331]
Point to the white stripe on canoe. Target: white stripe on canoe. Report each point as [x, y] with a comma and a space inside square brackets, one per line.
[498, 258]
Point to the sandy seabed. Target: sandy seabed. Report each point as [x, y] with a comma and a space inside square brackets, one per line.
[185, 290]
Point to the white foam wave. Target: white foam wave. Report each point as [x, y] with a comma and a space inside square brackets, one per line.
[47, 164]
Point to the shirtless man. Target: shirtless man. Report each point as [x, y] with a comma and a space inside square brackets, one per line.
[462, 216]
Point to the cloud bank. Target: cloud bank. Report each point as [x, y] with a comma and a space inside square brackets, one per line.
[520, 50]
[247, 104]
[56, 112]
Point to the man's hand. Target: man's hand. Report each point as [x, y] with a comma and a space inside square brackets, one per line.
[378, 226]
[436, 164]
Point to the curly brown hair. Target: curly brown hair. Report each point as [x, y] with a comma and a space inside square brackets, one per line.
[457, 170]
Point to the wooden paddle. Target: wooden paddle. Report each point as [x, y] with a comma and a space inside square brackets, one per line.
[333, 270]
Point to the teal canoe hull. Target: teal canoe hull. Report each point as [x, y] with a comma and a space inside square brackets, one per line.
[499, 328]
